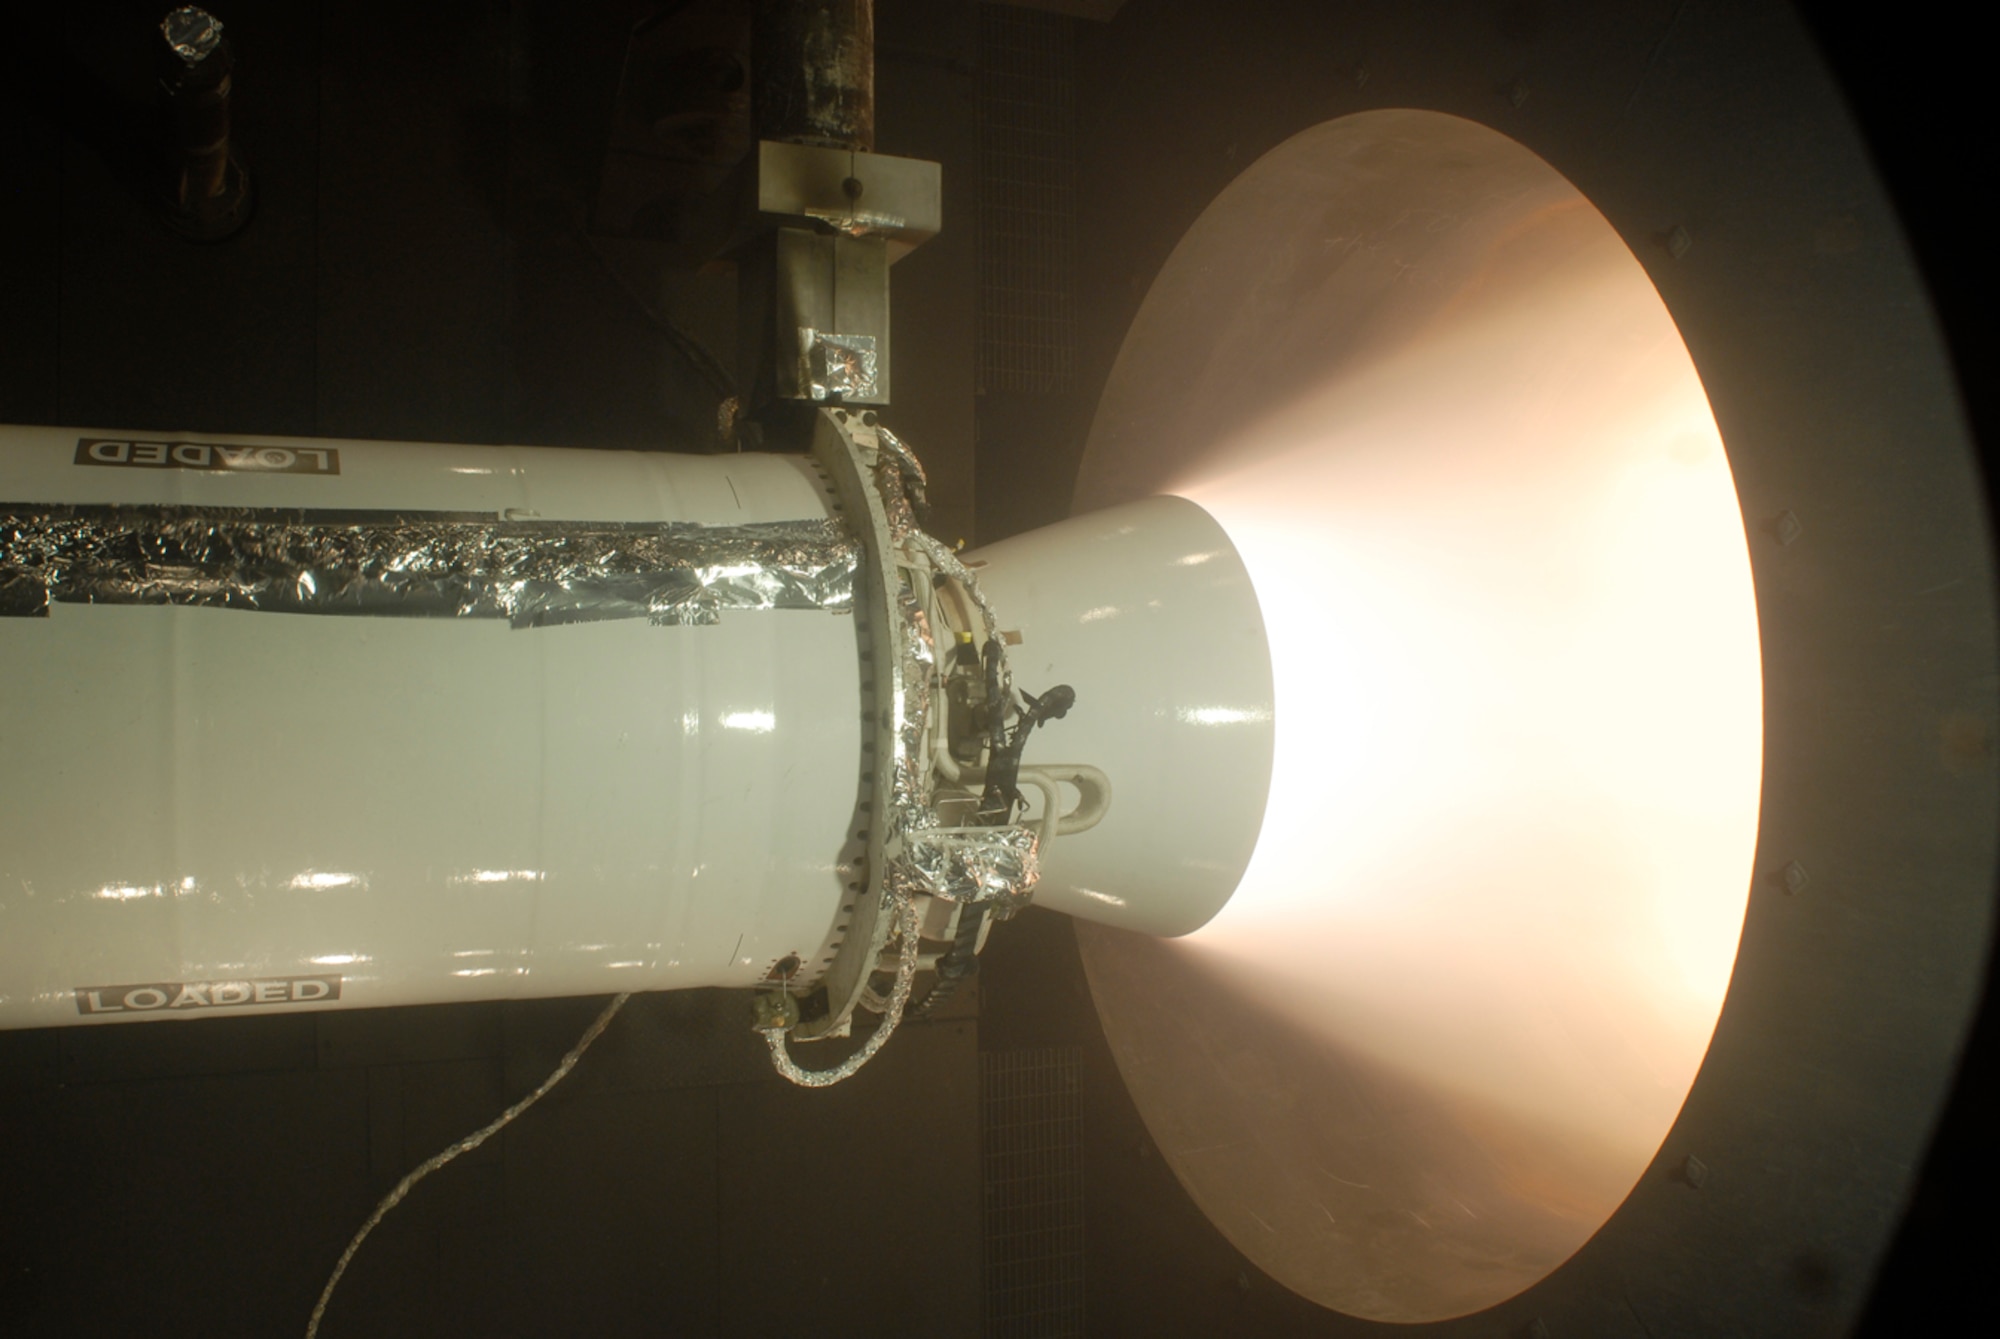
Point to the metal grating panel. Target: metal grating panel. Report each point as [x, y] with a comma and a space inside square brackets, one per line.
[1032, 1197]
[1027, 200]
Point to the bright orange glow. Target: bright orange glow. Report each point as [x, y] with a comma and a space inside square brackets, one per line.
[1513, 806]
[1515, 652]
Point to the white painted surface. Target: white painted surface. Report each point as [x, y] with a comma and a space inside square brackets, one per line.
[429, 809]
[1146, 610]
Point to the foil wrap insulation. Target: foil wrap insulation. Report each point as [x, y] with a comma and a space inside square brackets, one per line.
[448, 565]
[998, 865]
[901, 481]
[916, 660]
[945, 561]
[832, 364]
[986, 865]
[892, 1013]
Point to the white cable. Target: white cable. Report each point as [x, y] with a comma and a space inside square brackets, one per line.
[906, 974]
[465, 1145]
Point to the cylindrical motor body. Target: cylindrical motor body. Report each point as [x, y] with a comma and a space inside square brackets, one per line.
[205, 809]
[1146, 610]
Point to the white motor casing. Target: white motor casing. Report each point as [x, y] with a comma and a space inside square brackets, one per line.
[302, 809]
[1146, 610]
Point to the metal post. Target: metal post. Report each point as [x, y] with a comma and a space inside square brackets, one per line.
[206, 189]
[813, 76]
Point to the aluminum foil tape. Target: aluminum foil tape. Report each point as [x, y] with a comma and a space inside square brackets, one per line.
[900, 479]
[910, 804]
[531, 573]
[833, 364]
[998, 865]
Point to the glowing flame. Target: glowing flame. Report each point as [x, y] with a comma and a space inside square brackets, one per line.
[1450, 427]
[1515, 657]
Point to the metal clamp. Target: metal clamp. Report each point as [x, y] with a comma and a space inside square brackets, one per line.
[846, 447]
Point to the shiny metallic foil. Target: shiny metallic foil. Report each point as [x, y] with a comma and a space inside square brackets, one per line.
[833, 364]
[901, 481]
[531, 573]
[910, 804]
[997, 865]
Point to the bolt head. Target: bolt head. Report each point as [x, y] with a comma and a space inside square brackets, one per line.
[1794, 877]
[1694, 1172]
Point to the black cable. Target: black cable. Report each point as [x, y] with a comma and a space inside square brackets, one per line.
[996, 808]
[959, 964]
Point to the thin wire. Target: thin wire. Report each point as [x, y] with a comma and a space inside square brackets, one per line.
[465, 1145]
[697, 354]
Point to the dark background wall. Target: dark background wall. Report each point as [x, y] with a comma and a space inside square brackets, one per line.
[426, 264]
